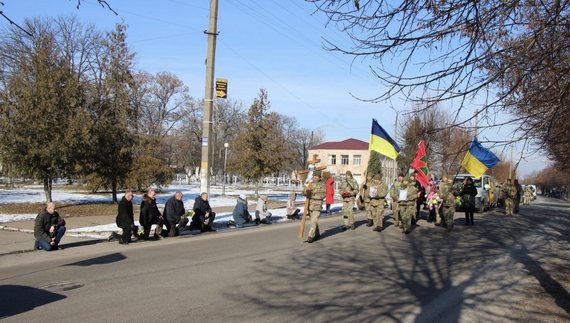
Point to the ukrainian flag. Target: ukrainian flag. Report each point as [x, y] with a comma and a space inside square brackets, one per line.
[478, 159]
[381, 142]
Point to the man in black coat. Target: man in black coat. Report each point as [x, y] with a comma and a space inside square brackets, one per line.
[49, 228]
[149, 214]
[174, 214]
[203, 215]
[125, 219]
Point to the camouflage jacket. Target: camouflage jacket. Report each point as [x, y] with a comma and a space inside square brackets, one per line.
[394, 190]
[318, 192]
[447, 195]
[412, 195]
[350, 186]
[381, 190]
[509, 191]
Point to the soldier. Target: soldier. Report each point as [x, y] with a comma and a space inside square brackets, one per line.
[510, 194]
[394, 197]
[407, 205]
[419, 198]
[519, 194]
[348, 190]
[315, 195]
[449, 201]
[377, 196]
[364, 193]
[527, 195]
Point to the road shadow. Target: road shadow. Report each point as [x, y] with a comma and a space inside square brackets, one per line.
[17, 299]
[471, 274]
[103, 260]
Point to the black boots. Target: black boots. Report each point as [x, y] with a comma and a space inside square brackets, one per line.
[370, 223]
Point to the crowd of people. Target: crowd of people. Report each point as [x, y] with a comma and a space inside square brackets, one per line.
[441, 199]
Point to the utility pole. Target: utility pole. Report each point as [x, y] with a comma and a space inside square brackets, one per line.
[212, 33]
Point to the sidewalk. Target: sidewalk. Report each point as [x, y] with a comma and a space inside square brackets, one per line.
[18, 237]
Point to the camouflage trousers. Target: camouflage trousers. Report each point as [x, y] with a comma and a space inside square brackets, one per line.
[448, 212]
[407, 212]
[396, 213]
[314, 222]
[368, 208]
[347, 212]
[517, 203]
[526, 200]
[378, 214]
[509, 206]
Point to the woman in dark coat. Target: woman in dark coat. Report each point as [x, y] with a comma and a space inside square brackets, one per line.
[149, 214]
[125, 219]
[241, 214]
[203, 215]
[468, 194]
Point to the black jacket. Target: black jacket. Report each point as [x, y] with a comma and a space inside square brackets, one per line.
[44, 221]
[469, 192]
[173, 209]
[125, 215]
[201, 207]
[149, 213]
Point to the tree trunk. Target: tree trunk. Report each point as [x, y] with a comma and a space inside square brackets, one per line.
[256, 189]
[114, 187]
[47, 188]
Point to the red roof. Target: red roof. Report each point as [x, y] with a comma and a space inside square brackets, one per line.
[348, 144]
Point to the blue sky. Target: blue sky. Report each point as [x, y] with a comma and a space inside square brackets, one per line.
[274, 44]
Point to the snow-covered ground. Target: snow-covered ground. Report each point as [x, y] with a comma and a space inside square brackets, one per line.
[35, 194]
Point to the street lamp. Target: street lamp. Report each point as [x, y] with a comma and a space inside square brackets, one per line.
[226, 146]
[396, 140]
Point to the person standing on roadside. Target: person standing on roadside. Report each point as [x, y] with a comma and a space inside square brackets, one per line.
[174, 215]
[468, 194]
[49, 228]
[449, 201]
[125, 219]
[348, 190]
[315, 195]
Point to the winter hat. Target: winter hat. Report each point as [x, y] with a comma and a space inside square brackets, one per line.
[317, 173]
[243, 196]
[377, 177]
[348, 173]
[401, 175]
[407, 179]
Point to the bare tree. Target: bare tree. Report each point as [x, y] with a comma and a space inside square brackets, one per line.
[511, 57]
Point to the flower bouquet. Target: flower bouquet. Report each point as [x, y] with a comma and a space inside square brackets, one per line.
[188, 214]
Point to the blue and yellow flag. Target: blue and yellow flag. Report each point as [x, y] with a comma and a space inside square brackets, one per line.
[381, 142]
[478, 159]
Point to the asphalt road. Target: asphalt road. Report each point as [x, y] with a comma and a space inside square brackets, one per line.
[500, 270]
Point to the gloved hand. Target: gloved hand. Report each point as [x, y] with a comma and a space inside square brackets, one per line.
[308, 194]
[365, 186]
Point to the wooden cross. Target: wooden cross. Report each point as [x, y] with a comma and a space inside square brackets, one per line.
[308, 184]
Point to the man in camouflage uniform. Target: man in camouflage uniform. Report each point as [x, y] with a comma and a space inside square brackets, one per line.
[527, 195]
[449, 200]
[394, 197]
[408, 206]
[444, 188]
[364, 192]
[315, 194]
[510, 194]
[420, 196]
[348, 190]
[377, 195]
[519, 195]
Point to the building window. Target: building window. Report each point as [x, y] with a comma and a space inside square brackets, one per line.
[332, 159]
[357, 160]
[344, 159]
